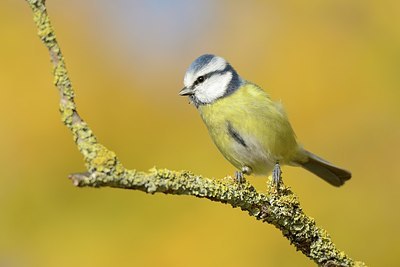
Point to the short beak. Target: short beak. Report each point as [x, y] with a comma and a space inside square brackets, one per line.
[186, 91]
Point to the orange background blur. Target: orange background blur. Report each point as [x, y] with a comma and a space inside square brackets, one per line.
[334, 64]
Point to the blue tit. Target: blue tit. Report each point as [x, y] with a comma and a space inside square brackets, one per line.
[250, 130]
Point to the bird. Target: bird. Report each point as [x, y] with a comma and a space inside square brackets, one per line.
[250, 129]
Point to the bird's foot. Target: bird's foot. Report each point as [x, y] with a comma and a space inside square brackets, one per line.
[239, 175]
[277, 175]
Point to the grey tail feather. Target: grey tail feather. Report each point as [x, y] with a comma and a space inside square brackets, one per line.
[322, 168]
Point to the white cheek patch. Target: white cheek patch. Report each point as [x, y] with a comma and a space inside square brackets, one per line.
[213, 88]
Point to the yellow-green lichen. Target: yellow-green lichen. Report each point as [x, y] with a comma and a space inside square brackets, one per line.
[163, 173]
[66, 115]
[101, 159]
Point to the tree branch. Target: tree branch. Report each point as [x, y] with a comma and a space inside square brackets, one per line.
[104, 169]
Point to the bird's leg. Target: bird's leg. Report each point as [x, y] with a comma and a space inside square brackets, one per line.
[239, 175]
[276, 174]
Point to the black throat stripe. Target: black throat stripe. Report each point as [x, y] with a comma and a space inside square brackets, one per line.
[235, 135]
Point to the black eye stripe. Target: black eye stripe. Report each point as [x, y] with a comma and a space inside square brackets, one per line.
[208, 75]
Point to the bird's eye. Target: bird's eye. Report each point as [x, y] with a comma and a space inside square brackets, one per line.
[200, 79]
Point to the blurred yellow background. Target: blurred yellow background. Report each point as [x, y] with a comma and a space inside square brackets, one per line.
[334, 64]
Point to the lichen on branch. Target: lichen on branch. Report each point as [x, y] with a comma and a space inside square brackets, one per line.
[280, 208]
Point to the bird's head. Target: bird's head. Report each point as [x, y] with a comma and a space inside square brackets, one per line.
[208, 79]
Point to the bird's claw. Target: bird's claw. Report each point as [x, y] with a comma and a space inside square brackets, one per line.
[277, 175]
[239, 177]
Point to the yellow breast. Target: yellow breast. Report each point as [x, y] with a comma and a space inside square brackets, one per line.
[250, 129]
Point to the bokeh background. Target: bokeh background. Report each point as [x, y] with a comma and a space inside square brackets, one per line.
[334, 64]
